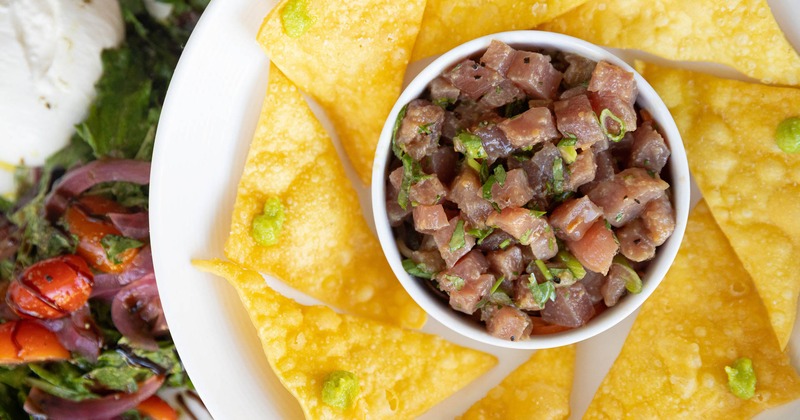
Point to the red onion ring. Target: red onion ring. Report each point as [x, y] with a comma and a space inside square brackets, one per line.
[137, 313]
[132, 225]
[106, 285]
[77, 333]
[40, 403]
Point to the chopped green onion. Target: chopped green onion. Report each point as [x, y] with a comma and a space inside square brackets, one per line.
[472, 163]
[542, 292]
[558, 175]
[788, 135]
[457, 241]
[742, 378]
[613, 137]
[470, 145]
[444, 102]
[487, 187]
[564, 276]
[572, 264]
[525, 238]
[538, 213]
[566, 147]
[417, 270]
[632, 281]
[545, 271]
[500, 175]
[497, 285]
[505, 244]
[480, 234]
[424, 128]
[458, 282]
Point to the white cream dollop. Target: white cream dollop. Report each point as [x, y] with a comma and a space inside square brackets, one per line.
[49, 65]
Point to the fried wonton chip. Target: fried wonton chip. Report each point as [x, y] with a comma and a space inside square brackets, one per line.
[704, 316]
[401, 373]
[448, 23]
[751, 186]
[743, 34]
[539, 388]
[325, 248]
[351, 56]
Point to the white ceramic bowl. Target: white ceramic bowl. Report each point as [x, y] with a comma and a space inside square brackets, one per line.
[677, 168]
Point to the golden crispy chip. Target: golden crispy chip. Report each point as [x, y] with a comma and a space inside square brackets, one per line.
[401, 373]
[351, 57]
[448, 23]
[325, 248]
[537, 389]
[704, 316]
[751, 186]
[742, 35]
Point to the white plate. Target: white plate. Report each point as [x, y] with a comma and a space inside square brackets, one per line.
[205, 130]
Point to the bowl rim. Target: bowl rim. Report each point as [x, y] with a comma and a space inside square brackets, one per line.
[677, 165]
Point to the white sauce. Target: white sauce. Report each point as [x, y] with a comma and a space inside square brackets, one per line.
[49, 63]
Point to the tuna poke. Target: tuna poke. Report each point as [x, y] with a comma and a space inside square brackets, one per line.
[525, 188]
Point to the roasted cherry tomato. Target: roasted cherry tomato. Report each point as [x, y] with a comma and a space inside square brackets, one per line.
[26, 341]
[51, 288]
[157, 409]
[85, 219]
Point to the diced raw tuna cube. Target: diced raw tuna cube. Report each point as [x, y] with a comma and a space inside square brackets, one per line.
[527, 229]
[472, 78]
[494, 142]
[634, 243]
[502, 93]
[535, 75]
[451, 126]
[515, 191]
[572, 308]
[611, 80]
[581, 171]
[420, 130]
[623, 197]
[659, 219]
[498, 57]
[467, 192]
[592, 282]
[540, 173]
[429, 219]
[468, 268]
[443, 237]
[533, 126]
[470, 112]
[596, 249]
[613, 287]
[428, 191]
[606, 168]
[540, 103]
[443, 163]
[443, 92]
[395, 213]
[621, 109]
[573, 92]
[509, 323]
[506, 262]
[523, 297]
[575, 117]
[431, 259]
[579, 70]
[467, 298]
[649, 150]
[574, 217]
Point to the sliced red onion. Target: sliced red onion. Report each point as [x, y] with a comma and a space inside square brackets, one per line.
[77, 333]
[137, 313]
[106, 285]
[40, 403]
[84, 177]
[9, 238]
[132, 225]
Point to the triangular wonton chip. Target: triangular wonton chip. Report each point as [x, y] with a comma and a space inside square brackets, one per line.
[704, 316]
[351, 56]
[751, 186]
[401, 373]
[448, 23]
[325, 248]
[538, 389]
[741, 34]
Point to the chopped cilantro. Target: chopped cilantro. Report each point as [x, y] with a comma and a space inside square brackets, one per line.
[412, 173]
[543, 268]
[542, 292]
[470, 145]
[505, 244]
[444, 102]
[558, 175]
[742, 378]
[566, 147]
[457, 240]
[457, 282]
[572, 264]
[537, 213]
[424, 128]
[114, 245]
[500, 175]
[418, 270]
[480, 234]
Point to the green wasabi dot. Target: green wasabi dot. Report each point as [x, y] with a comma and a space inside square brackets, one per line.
[340, 389]
[295, 18]
[267, 226]
[788, 135]
[742, 378]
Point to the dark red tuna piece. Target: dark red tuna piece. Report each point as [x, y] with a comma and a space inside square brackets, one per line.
[579, 70]
[443, 237]
[506, 262]
[611, 80]
[419, 132]
[428, 191]
[535, 75]
[509, 323]
[634, 243]
[467, 192]
[472, 79]
[596, 249]
[574, 217]
[467, 298]
[468, 268]
[659, 219]
[649, 151]
[533, 126]
[515, 191]
[443, 92]
[494, 142]
[580, 172]
[623, 197]
[575, 118]
[498, 57]
[572, 308]
[429, 219]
